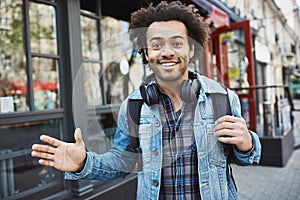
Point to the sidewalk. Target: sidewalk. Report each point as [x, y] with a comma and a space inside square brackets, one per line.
[272, 183]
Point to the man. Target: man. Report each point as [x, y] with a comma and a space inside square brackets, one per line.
[181, 142]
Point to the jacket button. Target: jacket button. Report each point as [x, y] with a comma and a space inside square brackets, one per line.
[155, 152]
[155, 183]
[157, 124]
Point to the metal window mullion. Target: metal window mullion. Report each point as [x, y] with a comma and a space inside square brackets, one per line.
[42, 55]
[45, 2]
[96, 17]
[30, 92]
[92, 61]
[101, 80]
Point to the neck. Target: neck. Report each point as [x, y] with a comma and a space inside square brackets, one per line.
[172, 89]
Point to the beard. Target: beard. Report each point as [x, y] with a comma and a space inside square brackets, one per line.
[169, 74]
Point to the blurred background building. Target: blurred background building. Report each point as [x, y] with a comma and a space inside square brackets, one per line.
[67, 64]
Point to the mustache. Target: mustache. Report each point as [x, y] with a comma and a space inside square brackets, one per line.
[165, 60]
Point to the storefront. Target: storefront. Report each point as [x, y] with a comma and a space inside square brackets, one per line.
[64, 64]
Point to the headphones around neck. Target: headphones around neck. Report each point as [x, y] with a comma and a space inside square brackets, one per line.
[189, 90]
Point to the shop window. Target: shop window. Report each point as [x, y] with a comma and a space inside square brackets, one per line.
[123, 68]
[89, 36]
[42, 28]
[45, 83]
[91, 58]
[44, 58]
[13, 79]
[21, 175]
[92, 83]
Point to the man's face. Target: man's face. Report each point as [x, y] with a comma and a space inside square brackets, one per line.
[168, 51]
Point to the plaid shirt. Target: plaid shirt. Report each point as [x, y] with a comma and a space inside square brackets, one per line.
[180, 165]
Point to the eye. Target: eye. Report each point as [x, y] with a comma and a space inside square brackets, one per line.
[156, 46]
[177, 44]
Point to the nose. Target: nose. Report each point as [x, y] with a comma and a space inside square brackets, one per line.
[167, 51]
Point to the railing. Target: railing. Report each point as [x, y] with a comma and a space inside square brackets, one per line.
[263, 87]
[6, 175]
[283, 119]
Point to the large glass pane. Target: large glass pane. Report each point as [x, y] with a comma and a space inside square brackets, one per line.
[42, 28]
[237, 60]
[123, 72]
[21, 175]
[13, 78]
[101, 131]
[45, 83]
[89, 38]
[92, 84]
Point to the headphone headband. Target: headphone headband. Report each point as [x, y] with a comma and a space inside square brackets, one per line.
[189, 89]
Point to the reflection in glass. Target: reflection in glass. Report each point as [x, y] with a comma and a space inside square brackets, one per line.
[21, 175]
[45, 83]
[238, 63]
[117, 48]
[89, 38]
[13, 79]
[101, 131]
[42, 28]
[92, 84]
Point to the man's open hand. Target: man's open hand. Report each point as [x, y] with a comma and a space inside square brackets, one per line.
[61, 155]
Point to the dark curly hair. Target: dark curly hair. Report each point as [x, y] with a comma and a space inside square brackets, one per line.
[164, 11]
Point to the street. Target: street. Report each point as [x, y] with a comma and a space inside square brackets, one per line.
[272, 183]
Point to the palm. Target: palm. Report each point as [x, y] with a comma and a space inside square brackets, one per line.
[69, 156]
[61, 155]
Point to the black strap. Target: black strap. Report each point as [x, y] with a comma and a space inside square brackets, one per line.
[133, 116]
[218, 101]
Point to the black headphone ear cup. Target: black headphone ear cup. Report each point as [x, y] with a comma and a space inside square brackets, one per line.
[143, 90]
[153, 90]
[185, 90]
[150, 94]
[190, 90]
[195, 89]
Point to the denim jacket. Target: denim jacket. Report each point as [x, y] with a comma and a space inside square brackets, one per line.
[214, 179]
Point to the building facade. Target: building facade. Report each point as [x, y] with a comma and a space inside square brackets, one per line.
[276, 24]
[67, 64]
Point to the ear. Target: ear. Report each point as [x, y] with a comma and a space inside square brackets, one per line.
[146, 54]
[192, 50]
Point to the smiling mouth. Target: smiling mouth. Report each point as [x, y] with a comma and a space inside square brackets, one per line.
[168, 64]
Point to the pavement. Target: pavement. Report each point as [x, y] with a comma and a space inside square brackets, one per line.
[272, 183]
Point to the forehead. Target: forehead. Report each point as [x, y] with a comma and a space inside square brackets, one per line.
[166, 29]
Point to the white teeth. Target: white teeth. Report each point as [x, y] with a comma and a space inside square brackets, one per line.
[168, 64]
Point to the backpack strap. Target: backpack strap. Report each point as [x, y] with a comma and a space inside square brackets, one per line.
[218, 101]
[220, 110]
[134, 107]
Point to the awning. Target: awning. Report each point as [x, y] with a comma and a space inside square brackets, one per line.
[216, 16]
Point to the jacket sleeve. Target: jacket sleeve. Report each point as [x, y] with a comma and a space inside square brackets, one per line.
[116, 163]
[252, 156]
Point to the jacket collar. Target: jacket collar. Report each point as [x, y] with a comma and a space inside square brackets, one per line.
[208, 86]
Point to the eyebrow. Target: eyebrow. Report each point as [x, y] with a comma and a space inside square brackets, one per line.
[173, 37]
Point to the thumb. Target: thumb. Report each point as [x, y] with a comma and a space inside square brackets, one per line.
[78, 136]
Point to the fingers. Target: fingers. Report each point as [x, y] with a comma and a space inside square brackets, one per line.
[229, 118]
[228, 140]
[228, 133]
[229, 129]
[46, 162]
[43, 148]
[78, 136]
[42, 155]
[50, 140]
[45, 152]
[230, 123]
